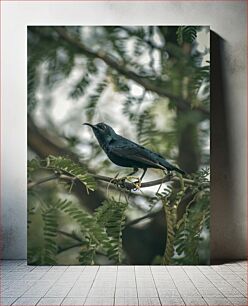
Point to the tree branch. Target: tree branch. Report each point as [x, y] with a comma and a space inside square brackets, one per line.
[50, 178]
[149, 85]
[43, 180]
[147, 216]
[61, 250]
[43, 145]
[114, 181]
[75, 245]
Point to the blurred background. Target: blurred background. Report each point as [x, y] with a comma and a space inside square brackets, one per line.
[151, 84]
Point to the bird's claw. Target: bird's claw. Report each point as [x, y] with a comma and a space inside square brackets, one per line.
[137, 184]
[120, 182]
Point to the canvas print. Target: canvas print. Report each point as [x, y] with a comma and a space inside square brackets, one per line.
[118, 145]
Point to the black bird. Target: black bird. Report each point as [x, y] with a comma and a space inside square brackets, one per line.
[126, 153]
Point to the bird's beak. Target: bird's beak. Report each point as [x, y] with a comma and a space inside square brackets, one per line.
[91, 125]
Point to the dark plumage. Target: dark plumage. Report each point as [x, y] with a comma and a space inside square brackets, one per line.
[126, 153]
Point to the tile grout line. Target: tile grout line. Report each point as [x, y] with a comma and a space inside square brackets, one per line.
[225, 281]
[174, 284]
[211, 283]
[208, 274]
[230, 283]
[21, 296]
[73, 284]
[116, 283]
[193, 283]
[98, 268]
[136, 284]
[155, 285]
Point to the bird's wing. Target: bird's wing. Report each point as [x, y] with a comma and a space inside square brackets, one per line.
[137, 153]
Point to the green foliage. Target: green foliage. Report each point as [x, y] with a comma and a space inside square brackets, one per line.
[171, 215]
[171, 200]
[100, 232]
[111, 215]
[186, 34]
[80, 88]
[164, 57]
[146, 129]
[67, 166]
[49, 217]
[94, 98]
[184, 235]
[201, 80]
[190, 228]
[94, 235]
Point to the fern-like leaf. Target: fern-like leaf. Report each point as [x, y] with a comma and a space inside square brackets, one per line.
[171, 218]
[93, 232]
[93, 99]
[146, 129]
[80, 88]
[111, 216]
[49, 217]
[189, 229]
[186, 34]
[67, 166]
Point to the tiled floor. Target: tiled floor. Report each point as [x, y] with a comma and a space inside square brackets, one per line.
[131, 285]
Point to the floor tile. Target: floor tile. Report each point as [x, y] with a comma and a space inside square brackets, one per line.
[58, 291]
[217, 301]
[26, 301]
[167, 301]
[147, 292]
[199, 301]
[79, 291]
[123, 301]
[102, 292]
[7, 300]
[75, 269]
[149, 301]
[50, 301]
[164, 292]
[99, 301]
[126, 292]
[239, 301]
[73, 301]
[124, 285]
[230, 292]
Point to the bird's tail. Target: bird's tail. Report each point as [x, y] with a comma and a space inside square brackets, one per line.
[179, 170]
[169, 166]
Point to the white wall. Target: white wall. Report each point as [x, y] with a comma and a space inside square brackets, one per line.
[226, 18]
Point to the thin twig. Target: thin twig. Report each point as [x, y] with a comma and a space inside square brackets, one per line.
[43, 180]
[50, 178]
[147, 216]
[60, 250]
[130, 186]
[78, 244]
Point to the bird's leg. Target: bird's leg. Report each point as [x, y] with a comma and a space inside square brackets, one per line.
[138, 182]
[135, 170]
[121, 181]
[129, 176]
[159, 188]
[169, 174]
[113, 180]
